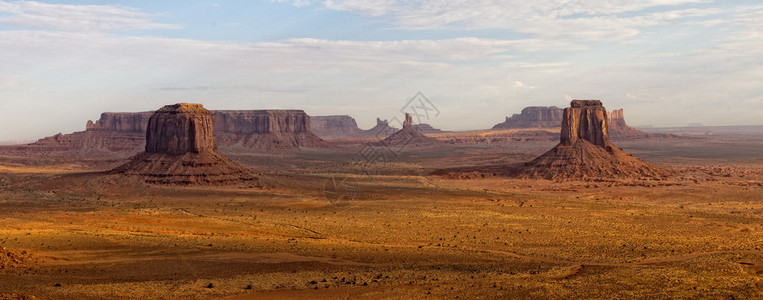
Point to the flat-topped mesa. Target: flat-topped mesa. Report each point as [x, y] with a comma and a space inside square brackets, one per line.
[587, 120]
[268, 130]
[428, 129]
[124, 134]
[121, 122]
[181, 149]
[181, 128]
[261, 121]
[533, 117]
[337, 126]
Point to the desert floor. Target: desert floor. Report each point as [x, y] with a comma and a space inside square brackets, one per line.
[327, 224]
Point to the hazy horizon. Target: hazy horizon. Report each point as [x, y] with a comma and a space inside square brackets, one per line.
[665, 62]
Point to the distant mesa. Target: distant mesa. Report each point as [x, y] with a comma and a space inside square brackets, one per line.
[343, 126]
[112, 133]
[268, 130]
[123, 134]
[533, 117]
[428, 129]
[335, 126]
[409, 136]
[585, 150]
[181, 150]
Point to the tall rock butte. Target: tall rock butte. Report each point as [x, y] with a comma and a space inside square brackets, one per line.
[618, 127]
[181, 149]
[409, 136]
[584, 150]
[585, 120]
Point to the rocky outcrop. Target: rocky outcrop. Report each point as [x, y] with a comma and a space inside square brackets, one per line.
[618, 128]
[409, 136]
[16, 258]
[585, 151]
[533, 117]
[181, 150]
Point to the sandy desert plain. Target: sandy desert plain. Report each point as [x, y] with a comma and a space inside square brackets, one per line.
[318, 223]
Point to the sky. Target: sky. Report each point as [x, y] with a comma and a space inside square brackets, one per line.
[665, 62]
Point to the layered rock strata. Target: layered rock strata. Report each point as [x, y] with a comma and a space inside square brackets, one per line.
[181, 150]
[268, 130]
[335, 127]
[533, 117]
[123, 134]
[112, 133]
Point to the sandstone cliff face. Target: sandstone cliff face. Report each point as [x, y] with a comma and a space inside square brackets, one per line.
[335, 127]
[533, 117]
[261, 121]
[181, 149]
[267, 130]
[585, 151]
[179, 129]
[121, 122]
[587, 120]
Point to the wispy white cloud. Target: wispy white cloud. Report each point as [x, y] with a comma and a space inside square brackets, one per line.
[567, 51]
[31, 14]
[587, 20]
[297, 3]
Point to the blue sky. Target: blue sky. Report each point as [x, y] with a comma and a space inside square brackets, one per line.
[666, 62]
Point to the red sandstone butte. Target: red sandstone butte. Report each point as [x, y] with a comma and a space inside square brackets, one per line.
[618, 127]
[181, 150]
[584, 150]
